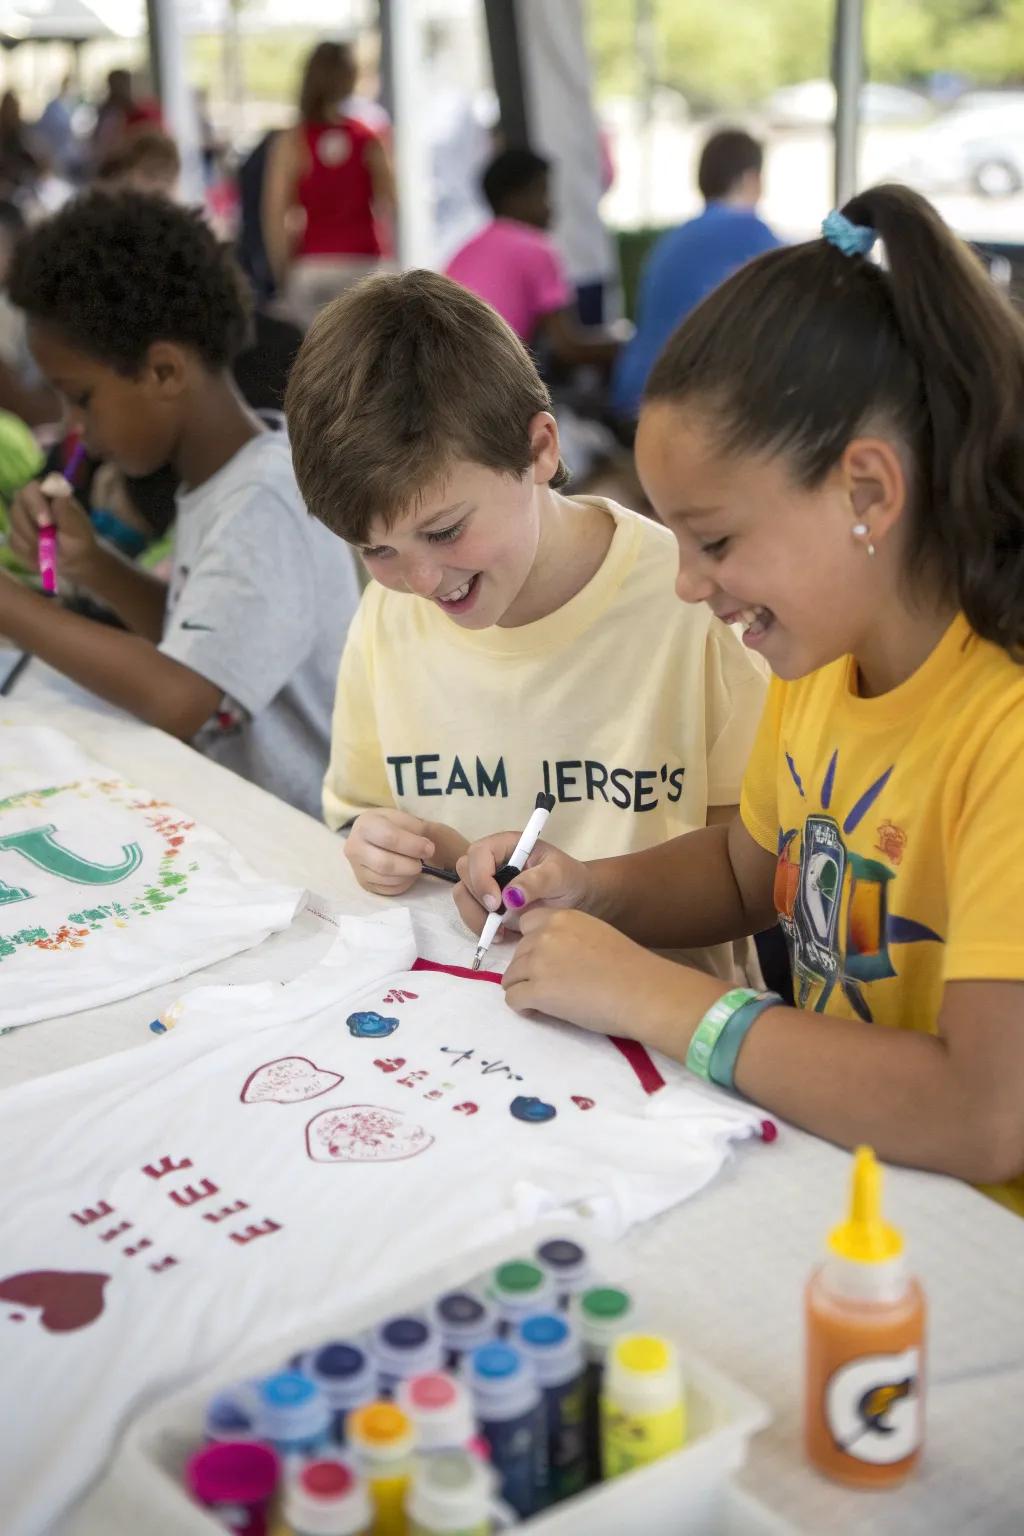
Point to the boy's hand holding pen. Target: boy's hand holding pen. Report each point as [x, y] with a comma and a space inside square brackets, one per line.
[51, 533]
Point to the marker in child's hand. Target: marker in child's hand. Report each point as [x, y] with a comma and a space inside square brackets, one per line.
[56, 485]
[545, 804]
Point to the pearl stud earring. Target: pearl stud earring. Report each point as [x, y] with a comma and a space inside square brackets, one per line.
[861, 531]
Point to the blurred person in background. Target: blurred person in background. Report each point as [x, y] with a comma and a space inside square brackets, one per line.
[22, 162]
[145, 160]
[687, 262]
[121, 112]
[516, 267]
[327, 185]
[55, 132]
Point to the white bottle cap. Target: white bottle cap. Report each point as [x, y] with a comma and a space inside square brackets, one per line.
[440, 1409]
[327, 1498]
[451, 1492]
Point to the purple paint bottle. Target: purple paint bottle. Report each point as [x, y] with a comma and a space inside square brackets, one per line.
[345, 1374]
[234, 1414]
[510, 1409]
[403, 1347]
[465, 1321]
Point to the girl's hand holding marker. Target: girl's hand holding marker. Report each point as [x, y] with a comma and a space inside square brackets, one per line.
[568, 962]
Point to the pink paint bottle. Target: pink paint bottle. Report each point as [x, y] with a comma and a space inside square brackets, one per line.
[235, 1481]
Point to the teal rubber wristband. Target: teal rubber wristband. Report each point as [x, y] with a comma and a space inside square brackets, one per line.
[705, 1036]
[726, 1050]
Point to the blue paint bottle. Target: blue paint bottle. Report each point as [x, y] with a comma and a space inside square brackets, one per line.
[510, 1408]
[294, 1415]
[465, 1321]
[234, 1415]
[404, 1347]
[346, 1376]
[553, 1348]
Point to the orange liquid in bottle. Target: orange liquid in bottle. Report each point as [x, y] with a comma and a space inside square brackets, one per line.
[865, 1325]
[864, 1405]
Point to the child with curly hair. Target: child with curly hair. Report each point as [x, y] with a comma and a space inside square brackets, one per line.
[134, 314]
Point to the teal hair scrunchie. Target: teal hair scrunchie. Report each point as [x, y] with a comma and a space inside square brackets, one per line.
[851, 239]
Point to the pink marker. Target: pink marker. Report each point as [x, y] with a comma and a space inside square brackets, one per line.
[56, 484]
[48, 559]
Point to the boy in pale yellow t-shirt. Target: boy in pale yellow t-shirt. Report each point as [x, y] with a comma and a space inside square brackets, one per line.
[513, 639]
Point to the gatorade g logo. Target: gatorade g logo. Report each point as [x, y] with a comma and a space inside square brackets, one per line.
[873, 1408]
[42, 849]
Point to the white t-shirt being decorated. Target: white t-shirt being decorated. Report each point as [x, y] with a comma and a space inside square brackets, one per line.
[284, 1149]
[106, 890]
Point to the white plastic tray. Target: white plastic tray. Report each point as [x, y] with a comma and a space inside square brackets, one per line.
[687, 1494]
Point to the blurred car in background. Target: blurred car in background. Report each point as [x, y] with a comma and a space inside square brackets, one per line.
[812, 104]
[977, 145]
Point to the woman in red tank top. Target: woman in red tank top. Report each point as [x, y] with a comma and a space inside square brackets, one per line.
[328, 182]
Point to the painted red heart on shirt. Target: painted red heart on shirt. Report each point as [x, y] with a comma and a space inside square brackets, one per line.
[581, 1102]
[69, 1299]
[364, 1133]
[288, 1080]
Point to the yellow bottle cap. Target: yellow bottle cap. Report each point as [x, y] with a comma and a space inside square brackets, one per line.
[864, 1237]
[379, 1424]
[643, 1352]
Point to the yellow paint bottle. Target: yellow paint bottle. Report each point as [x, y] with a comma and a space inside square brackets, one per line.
[643, 1403]
[380, 1437]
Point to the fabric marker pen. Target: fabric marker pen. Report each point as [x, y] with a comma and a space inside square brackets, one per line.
[441, 874]
[58, 484]
[545, 804]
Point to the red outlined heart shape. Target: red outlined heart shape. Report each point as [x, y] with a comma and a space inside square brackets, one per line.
[288, 1080]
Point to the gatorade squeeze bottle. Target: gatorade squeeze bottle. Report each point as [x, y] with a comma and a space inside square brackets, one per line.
[381, 1440]
[450, 1496]
[865, 1320]
[510, 1409]
[643, 1408]
[327, 1498]
[602, 1314]
[553, 1348]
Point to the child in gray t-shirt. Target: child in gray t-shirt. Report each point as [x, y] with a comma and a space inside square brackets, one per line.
[134, 313]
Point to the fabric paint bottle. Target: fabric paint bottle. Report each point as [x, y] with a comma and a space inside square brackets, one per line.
[327, 1498]
[234, 1414]
[294, 1415]
[381, 1441]
[552, 1346]
[440, 1410]
[236, 1483]
[643, 1406]
[510, 1408]
[405, 1346]
[465, 1321]
[602, 1314]
[865, 1347]
[450, 1495]
[519, 1288]
[345, 1374]
[567, 1264]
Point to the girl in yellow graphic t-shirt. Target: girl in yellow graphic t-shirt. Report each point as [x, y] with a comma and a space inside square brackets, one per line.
[837, 444]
